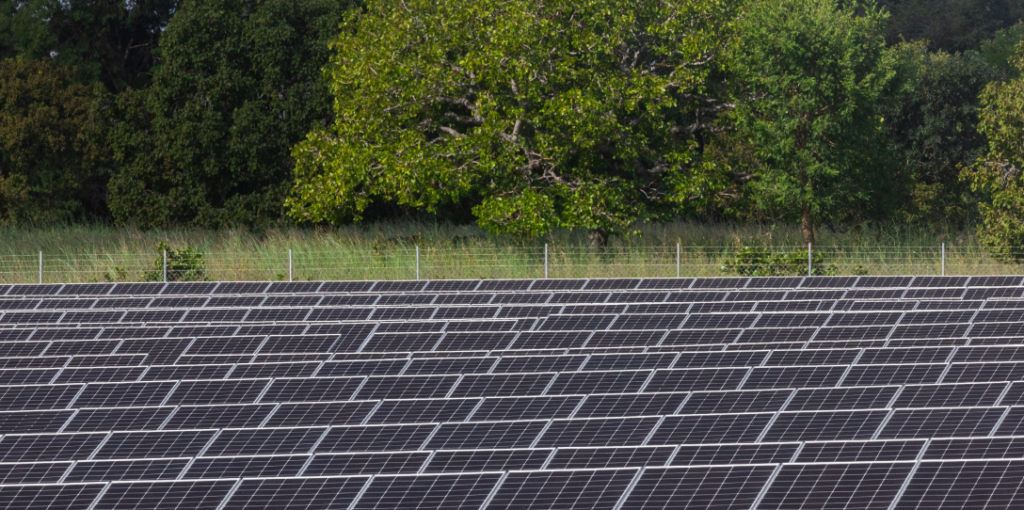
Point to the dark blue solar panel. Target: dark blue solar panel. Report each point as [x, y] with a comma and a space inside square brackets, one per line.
[851, 392]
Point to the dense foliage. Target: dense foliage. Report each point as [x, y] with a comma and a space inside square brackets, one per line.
[930, 129]
[113, 42]
[544, 113]
[950, 25]
[208, 143]
[816, 72]
[998, 173]
[51, 159]
[520, 115]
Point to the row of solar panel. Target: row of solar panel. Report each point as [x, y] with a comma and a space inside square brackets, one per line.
[78, 415]
[102, 289]
[569, 347]
[362, 338]
[589, 320]
[666, 430]
[102, 469]
[312, 351]
[726, 301]
[66, 354]
[420, 319]
[895, 485]
[630, 373]
[323, 388]
[18, 370]
[158, 306]
[542, 307]
[442, 461]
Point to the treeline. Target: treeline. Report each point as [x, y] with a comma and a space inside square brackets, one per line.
[519, 115]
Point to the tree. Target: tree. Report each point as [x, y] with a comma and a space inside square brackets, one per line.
[950, 25]
[998, 172]
[931, 128]
[816, 71]
[208, 143]
[998, 52]
[109, 41]
[51, 161]
[542, 113]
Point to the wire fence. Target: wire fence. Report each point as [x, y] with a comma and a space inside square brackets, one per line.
[502, 262]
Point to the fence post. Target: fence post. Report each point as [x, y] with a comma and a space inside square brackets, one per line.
[289, 264]
[808, 259]
[677, 259]
[943, 259]
[165, 266]
[40, 267]
[417, 262]
[545, 260]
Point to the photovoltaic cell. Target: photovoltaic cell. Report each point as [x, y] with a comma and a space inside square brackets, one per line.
[836, 485]
[597, 489]
[715, 487]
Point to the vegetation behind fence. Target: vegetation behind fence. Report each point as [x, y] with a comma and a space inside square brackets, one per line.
[389, 251]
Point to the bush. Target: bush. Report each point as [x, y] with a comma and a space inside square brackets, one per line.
[762, 262]
[184, 265]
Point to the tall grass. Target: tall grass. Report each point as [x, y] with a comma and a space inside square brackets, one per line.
[388, 251]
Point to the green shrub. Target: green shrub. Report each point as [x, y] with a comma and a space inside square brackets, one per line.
[762, 262]
[184, 265]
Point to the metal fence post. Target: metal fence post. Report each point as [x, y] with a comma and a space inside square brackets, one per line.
[417, 262]
[808, 259]
[289, 264]
[165, 266]
[678, 248]
[40, 267]
[943, 259]
[545, 260]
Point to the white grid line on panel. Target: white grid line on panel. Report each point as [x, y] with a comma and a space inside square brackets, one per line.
[494, 491]
[369, 415]
[652, 431]
[903, 487]
[99, 496]
[430, 436]
[999, 422]
[767, 484]
[266, 419]
[358, 388]
[81, 390]
[881, 426]
[67, 472]
[230, 493]
[750, 370]
[1002, 394]
[264, 391]
[543, 430]
[629, 488]
[796, 453]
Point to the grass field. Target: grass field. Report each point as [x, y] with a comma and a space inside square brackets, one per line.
[388, 251]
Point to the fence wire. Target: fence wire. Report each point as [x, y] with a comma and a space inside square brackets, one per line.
[399, 263]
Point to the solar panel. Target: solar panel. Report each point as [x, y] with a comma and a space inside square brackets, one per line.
[813, 392]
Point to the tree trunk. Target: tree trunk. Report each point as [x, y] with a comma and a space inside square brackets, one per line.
[808, 227]
[599, 239]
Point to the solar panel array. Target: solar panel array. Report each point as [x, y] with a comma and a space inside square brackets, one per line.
[767, 393]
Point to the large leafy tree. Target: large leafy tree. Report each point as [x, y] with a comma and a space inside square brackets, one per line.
[931, 129]
[998, 173]
[540, 113]
[817, 71]
[51, 158]
[208, 143]
[110, 41]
